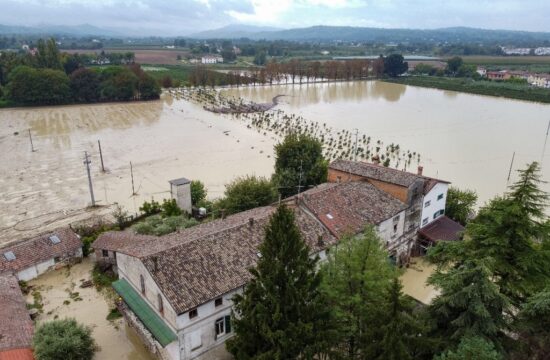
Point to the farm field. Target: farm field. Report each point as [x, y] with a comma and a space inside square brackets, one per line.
[154, 57]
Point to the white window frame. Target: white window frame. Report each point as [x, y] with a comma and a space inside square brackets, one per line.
[425, 221]
[427, 203]
[219, 327]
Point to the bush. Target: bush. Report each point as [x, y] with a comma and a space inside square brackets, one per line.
[150, 208]
[198, 192]
[63, 339]
[170, 208]
[162, 229]
[143, 228]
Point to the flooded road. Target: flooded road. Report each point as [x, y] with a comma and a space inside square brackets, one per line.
[463, 138]
[115, 339]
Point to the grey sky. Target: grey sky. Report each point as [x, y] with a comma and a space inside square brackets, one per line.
[186, 16]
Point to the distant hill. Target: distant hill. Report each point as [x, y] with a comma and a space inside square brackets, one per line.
[348, 33]
[77, 30]
[235, 31]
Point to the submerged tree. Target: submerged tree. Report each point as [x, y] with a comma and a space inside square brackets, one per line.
[282, 313]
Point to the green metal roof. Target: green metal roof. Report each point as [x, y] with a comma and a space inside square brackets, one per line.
[148, 316]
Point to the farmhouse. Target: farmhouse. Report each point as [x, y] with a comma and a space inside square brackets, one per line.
[16, 327]
[211, 59]
[33, 257]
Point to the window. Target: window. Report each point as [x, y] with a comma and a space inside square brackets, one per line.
[56, 259]
[338, 179]
[218, 302]
[220, 327]
[142, 283]
[425, 221]
[440, 196]
[193, 313]
[105, 253]
[54, 239]
[427, 203]
[394, 228]
[160, 304]
[438, 213]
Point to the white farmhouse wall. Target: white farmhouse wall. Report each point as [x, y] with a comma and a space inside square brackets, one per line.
[390, 233]
[435, 206]
[201, 329]
[130, 268]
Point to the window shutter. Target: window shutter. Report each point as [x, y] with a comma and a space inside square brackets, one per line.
[227, 324]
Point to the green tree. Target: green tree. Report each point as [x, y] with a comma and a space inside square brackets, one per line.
[198, 192]
[85, 85]
[260, 58]
[472, 348]
[30, 86]
[533, 327]
[282, 312]
[299, 161]
[63, 339]
[394, 65]
[470, 304]
[401, 330]
[48, 55]
[246, 193]
[148, 87]
[356, 277]
[460, 204]
[118, 83]
[454, 64]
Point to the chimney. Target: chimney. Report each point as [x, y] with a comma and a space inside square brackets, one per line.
[251, 222]
[420, 169]
[376, 160]
[155, 263]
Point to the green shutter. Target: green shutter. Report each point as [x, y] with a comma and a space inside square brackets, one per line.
[227, 324]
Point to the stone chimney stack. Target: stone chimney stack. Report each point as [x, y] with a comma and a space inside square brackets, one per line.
[420, 169]
[376, 160]
[251, 222]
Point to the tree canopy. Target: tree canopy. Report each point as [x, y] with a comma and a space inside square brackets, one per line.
[460, 204]
[63, 339]
[246, 193]
[299, 164]
[394, 65]
[282, 312]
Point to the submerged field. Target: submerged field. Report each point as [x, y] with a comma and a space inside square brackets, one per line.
[174, 138]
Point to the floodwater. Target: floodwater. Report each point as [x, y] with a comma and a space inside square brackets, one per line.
[414, 280]
[115, 339]
[466, 139]
[163, 140]
[463, 138]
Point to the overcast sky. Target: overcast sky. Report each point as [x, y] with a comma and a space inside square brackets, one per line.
[173, 17]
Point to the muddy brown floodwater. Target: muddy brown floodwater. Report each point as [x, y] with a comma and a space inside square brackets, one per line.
[414, 281]
[115, 339]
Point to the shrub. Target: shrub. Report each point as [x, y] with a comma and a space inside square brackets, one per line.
[150, 208]
[162, 229]
[63, 339]
[170, 208]
[198, 192]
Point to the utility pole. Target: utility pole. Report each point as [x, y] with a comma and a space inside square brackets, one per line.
[87, 163]
[30, 138]
[132, 174]
[355, 151]
[511, 164]
[544, 147]
[101, 156]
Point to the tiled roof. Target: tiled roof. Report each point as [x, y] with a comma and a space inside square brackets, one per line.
[377, 172]
[348, 207]
[443, 229]
[36, 250]
[16, 354]
[214, 261]
[16, 327]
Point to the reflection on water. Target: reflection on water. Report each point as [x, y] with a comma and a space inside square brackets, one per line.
[463, 138]
[307, 94]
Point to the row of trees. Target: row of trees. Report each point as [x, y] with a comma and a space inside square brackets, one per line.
[494, 300]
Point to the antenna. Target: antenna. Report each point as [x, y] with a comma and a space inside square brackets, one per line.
[510, 171]
[300, 178]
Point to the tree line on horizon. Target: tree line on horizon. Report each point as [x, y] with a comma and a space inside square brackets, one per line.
[53, 78]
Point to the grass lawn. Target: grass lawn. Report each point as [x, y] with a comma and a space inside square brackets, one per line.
[481, 87]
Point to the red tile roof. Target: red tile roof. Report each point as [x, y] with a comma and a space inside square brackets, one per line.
[16, 326]
[348, 207]
[17, 354]
[39, 249]
[442, 229]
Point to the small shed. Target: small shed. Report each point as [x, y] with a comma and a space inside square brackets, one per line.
[180, 189]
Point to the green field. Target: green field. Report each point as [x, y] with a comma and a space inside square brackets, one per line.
[538, 64]
[480, 87]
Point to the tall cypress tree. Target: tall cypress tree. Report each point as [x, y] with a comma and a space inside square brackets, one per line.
[281, 314]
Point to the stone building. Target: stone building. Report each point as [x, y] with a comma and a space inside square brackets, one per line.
[30, 258]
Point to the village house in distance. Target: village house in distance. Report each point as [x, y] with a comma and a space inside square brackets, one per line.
[178, 288]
